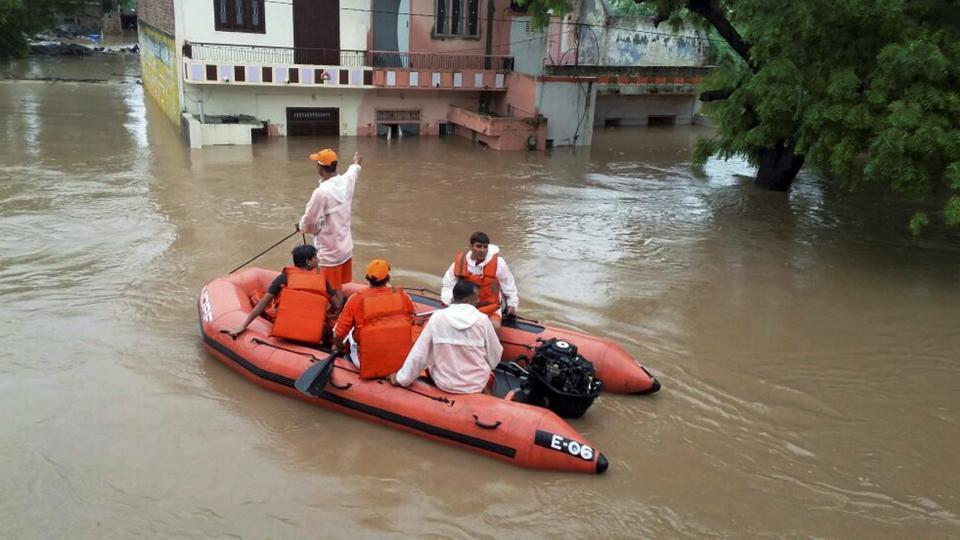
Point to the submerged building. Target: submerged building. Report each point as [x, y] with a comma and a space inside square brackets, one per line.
[226, 71]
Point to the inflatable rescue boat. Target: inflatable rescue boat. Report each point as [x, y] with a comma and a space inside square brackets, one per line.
[517, 433]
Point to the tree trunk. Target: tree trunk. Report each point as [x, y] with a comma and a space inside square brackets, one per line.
[778, 167]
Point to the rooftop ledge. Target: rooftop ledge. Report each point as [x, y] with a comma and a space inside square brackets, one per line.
[630, 80]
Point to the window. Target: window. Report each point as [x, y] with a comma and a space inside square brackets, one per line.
[442, 16]
[239, 16]
[473, 26]
[457, 18]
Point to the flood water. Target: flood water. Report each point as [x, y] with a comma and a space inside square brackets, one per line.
[807, 345]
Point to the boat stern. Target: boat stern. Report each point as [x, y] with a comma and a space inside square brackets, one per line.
[557, 446]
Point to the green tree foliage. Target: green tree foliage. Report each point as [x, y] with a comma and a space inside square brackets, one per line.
[864, 91]
[866, 88]
[541, 10]
[629, 8]
[19, 19]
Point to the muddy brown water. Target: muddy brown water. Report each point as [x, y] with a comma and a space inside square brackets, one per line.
[807, 346]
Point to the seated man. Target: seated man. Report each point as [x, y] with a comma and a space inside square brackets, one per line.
[484, 267]
[304, 300]
[458, 346]
[381, 319]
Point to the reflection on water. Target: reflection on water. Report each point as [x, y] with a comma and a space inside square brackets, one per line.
[806, 343]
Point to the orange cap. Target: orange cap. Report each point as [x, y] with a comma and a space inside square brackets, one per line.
[324, 157]
[378, 270]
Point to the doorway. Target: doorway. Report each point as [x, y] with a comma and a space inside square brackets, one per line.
[391, 33]
[313, 121]
[316, 32]
[660, 121]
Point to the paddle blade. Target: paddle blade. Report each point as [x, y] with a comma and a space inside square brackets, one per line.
[316, 377]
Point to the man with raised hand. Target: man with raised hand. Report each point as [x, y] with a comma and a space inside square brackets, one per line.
[328, 216]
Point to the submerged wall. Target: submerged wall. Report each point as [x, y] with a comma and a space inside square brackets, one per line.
[636, 110]
[158, 64]
[569, 108]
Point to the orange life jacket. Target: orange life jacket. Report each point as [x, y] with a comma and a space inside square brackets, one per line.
[489, 285]
[302, 306]
[385, 332]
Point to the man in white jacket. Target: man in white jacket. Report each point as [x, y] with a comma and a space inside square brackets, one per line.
[458, 346]
[328, 214]
[483, 266]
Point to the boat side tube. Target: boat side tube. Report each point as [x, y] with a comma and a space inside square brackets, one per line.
[516, 433]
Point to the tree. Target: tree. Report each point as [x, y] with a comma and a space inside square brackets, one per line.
[630, 8]
[541, 10]
[19, 19]
[863, 91]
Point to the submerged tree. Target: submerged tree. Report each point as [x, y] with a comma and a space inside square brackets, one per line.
[19, 19]
[864, 91]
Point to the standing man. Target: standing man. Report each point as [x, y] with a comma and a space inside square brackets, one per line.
[327, 216]
[484, 267]
[458, 347]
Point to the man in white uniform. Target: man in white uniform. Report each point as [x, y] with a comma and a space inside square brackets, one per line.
[458, 347]
[327, 216]
[483, 266]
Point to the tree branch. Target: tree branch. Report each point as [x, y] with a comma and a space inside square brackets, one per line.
[715, 95]
[718, 19]
[663, 13]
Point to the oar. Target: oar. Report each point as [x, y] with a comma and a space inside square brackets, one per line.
[317, 376]
[268, 249]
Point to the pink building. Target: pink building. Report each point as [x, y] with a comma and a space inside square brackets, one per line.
[228, 69]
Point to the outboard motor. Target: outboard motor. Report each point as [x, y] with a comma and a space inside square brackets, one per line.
[561, 379]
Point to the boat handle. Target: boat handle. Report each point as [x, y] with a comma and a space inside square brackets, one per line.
[340, 387]
[476, 420]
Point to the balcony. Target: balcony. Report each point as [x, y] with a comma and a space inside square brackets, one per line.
[499, 133]
[211, 63]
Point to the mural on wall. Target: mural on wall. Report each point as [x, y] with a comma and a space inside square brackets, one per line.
[633, 42]
[158, 63]
[630, 41]
[611, 40]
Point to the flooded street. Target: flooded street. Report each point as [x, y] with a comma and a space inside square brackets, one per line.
[807, 345]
